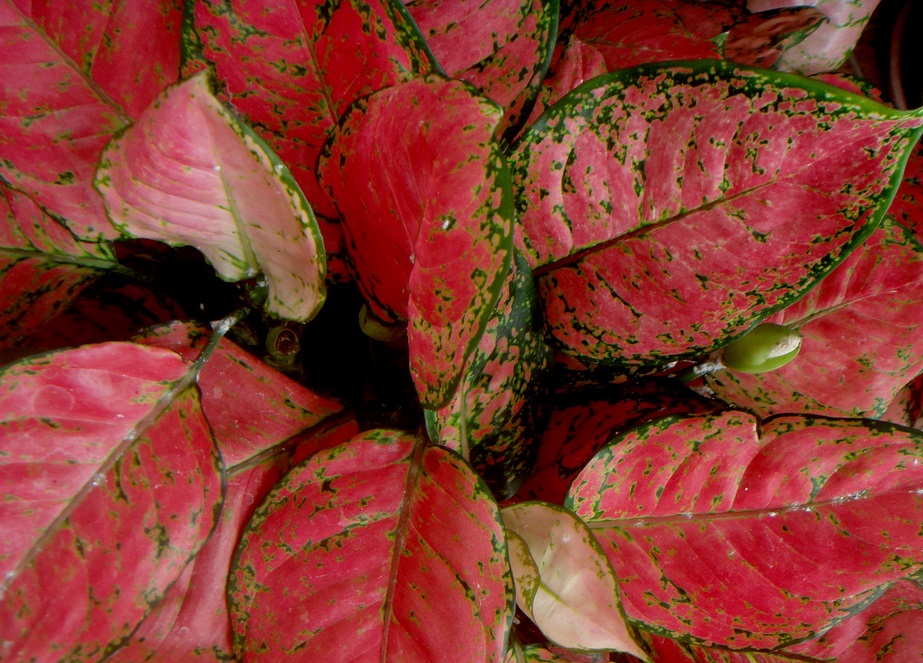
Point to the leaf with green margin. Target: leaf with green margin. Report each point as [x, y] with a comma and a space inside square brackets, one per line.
[424, 193]
[828, 48]
[502, 47]
[539, 654]
[293, 68]
[111, 483]
[576, 603]
[888, 631]
[666, 649]
[494, 416]
[65, 91]
[665, 209]
[730, 531]
[191, 623]
[385, 549]
[862, 336]
[42, 267]
[584, 421]
[189, 172]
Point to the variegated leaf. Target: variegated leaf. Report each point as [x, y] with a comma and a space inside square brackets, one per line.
[64, 91]
[189, 172]
[666, 209]
[862, 330]
[110, 484]
[726, 530]
[293, 68]
[423, 190]
[382, 549]
[907, 206]
[502, 47]
[492, 420]
[42, 267]
[576, 600]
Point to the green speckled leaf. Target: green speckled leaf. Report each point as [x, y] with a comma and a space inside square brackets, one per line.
[667, 208]
[726, 530]
[189, 172]
[494, 415]
[381, 549]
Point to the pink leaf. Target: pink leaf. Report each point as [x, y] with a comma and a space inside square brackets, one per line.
[424, 196]
[666, 209]
[188, 172]
[862, 330]
[382, 549]
[42, 267]
[727, 531]
[64, 92]
[250, 407]
[111, 483]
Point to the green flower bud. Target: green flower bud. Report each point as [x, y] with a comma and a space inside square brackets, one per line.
[766, 347]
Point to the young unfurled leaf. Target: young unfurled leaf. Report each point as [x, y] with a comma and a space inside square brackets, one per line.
[293, 68]
[382, 549]
[574, 600]
[42, 267]
[493, 417]
[666, 209]
[729, 531]
[862, 330]
[423, 190]
[111, 483]
[64, 91]
[250, 407]
[188, 172]
[502, 47]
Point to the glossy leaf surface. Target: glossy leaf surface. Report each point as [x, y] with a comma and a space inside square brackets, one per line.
[385, 549]
[862, 331]
[250, 407]
[111, 483]
[502, 47]
[665, 209]
[575, 601]
[42, 267]
[492, 418]
[188, 172]
[725, 531]
[65, 91]
[426, 205]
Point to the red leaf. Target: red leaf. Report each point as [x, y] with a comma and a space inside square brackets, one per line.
[65, 91]
[502, 47]
[381, 548]
[189, 172]
[722, 530]
[424, 196]
[111, 484]
[42, 267]
[249, 406]
[862, 340]
[907, 206]
[666, 209]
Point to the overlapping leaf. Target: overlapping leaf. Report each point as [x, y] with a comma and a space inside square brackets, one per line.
[423, 189]
[667, 208]
[584, 422]
[492, 418]
[754, 535]
[42, 267]
[64, 91]
[564, 583]
[379, 549]
[502, 47]
[190, 173]
[293, 69]
[250, 407]
[862, 339]
[110, 484]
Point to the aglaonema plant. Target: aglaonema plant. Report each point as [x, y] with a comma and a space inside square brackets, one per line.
[510, 331]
